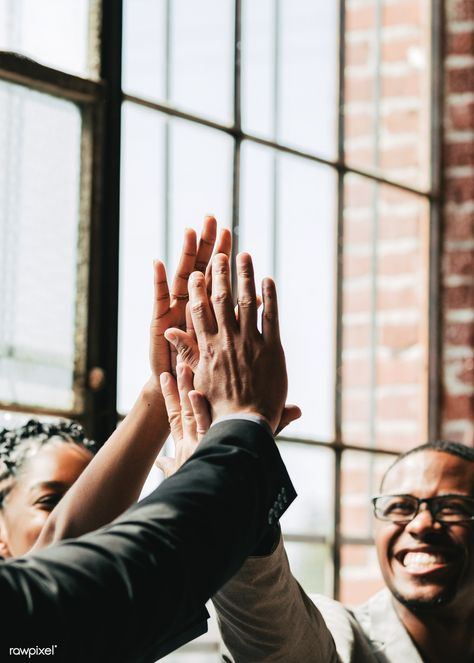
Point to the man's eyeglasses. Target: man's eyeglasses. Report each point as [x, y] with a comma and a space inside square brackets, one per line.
[402, 509]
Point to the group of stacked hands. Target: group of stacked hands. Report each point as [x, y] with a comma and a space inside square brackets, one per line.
[135, 589]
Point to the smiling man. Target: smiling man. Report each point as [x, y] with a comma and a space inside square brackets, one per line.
[424, 535]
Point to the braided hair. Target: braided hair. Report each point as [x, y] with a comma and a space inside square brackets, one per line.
[17, 445]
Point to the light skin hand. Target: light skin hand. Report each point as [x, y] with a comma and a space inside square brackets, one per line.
[239, 368]
[188, 414]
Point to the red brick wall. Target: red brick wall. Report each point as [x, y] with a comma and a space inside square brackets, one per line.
[458, 242]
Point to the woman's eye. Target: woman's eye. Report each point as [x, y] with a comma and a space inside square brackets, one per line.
[48, 501]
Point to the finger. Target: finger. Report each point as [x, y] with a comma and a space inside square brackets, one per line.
[290, 413]
[270, 324]
[222, 294]
[206, 244]
[189, 322]
[246, 295]
[185, 385]
[179, 287]
[201, 413]
[170, 393]
[185, 345]
[236, 308]
[201, 314]
[224, 245]
[161, 300]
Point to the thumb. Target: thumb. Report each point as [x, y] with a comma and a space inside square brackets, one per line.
[185, 346]
[290, 413]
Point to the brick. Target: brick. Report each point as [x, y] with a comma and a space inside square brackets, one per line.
[460, 10]
[459, 297]
[402, 121]
[354, 591]
[359, 18]
[460, 43]
[357, 301]
[398, 228]
[460, 80]
[400, 298]
[356, 336]
[399, 263]
[359, 89]
[399, 157]
[362, 157]
[400, 337]
[459, 333]
[399, 407]
[357, 265]
[402, 13]
[400, 441]
[396, 50]
[459, 263]
[358, 124]
[459, 189]
[356, 373]
[459, 153]
[459, 225]
[460, 117]
[399, 371]
[357, 54]
[458, 407]
[357, 230]
[356, 408]
[406, 85]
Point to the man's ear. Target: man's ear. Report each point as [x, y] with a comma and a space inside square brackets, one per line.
[4, 547]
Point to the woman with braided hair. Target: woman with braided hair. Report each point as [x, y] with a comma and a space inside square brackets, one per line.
[38, 463]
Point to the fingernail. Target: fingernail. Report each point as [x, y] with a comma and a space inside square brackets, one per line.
[170, 337]
[164, 378]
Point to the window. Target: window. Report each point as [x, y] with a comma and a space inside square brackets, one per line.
[308, 128]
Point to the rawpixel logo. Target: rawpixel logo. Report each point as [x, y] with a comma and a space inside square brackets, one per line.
[33, 651]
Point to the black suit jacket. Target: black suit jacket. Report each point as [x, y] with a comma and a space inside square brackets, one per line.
[126, 591]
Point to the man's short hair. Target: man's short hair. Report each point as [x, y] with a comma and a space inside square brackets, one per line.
[443, 446]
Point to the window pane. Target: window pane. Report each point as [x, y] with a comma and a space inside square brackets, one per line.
[172, 171]
[289, 64]
[142, 239]
[360, 574]
[197, 74]
[387, 88]
[360, 481]
[288, 218]
[200, 180]
[54, 32]
[311, 565]
[40, 142]
[311, 469]
[385, 316]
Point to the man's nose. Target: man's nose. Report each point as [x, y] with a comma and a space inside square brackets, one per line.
[423, 521]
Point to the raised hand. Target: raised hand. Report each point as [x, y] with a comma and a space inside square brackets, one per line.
[170, 304]
[188, 415]
[239, 368]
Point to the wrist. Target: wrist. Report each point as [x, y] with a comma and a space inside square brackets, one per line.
[220, 414]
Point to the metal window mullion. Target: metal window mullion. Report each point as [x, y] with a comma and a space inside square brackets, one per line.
[435, 334]
[237, 136]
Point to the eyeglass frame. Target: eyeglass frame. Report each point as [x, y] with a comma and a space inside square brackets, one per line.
[429, 501]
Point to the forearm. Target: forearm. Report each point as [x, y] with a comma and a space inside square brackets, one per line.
[113, 480]
[264, 615]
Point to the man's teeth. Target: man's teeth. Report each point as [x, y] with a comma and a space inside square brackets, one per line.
[422, 559]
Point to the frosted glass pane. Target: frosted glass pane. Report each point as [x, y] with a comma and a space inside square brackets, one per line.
[54, 32]
[40, 139]
[311, 470]
[200, 180]
[288, 223]
[387, 95]
[141, 241]
[289, 72]
[184, 57]
[311, 565]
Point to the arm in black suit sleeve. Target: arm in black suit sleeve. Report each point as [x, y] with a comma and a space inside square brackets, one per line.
[118, 594]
